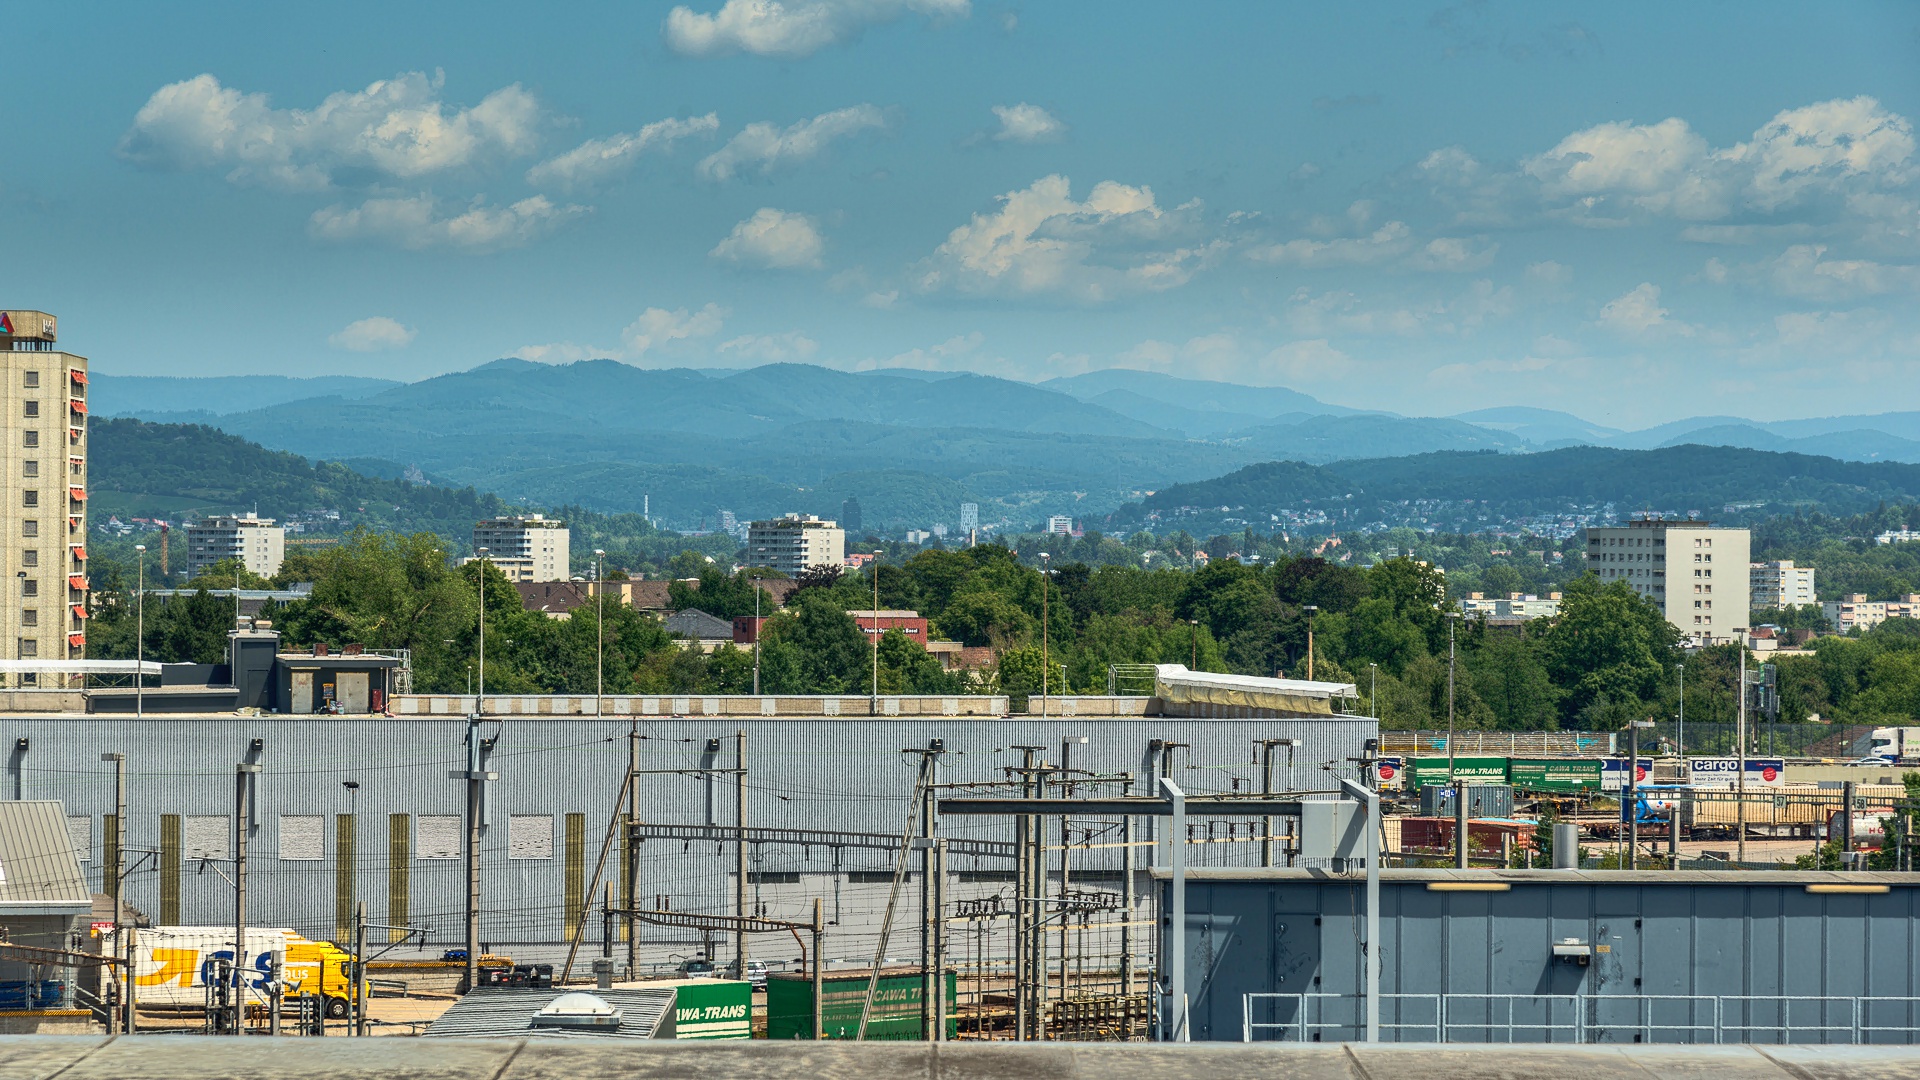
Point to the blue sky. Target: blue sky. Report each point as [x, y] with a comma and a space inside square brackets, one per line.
[1635, 212]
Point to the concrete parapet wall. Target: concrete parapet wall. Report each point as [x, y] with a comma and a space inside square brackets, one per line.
[624, 705]
[205, 1057]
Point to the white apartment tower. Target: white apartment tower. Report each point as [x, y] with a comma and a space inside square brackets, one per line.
[1673, 563]
[792, 544]
[259, 544]
[45, 494]
[532, 548]
[1781, 585]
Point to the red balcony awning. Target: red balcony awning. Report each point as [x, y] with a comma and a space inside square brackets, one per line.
[78, 375]
[77, 581]
[78, 641]
[79, 610]
[79, 407]
[79, 551]
[79, 494]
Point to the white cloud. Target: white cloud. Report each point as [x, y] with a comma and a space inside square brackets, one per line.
[416, 222]
[1804, 271]
[372, 335]
[1638, 314]
[774, 240]
[396, 127]
[1386, 243]
[1335, 313]
[1454, 255]
[1660, 168]
[1549, 272]
[761, 144]
[1042, 241]
[772, 348]
[881, 300]
[1850, 148]
[1026, 123]
[657, 327]
[561, 352]
[1822, 145]
[790, 28]
[960, 352]
[598, 160]
[1306, 362]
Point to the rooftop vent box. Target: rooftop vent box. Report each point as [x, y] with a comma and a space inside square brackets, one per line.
[578, 1012]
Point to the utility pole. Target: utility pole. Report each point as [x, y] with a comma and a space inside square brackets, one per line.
[1266, 788]
[1452, 621]
[1740, 776]
[1630, 799]
[140, 644]
[475, 776]
[115, 874]
[756, 644]
[1066, 846]
[243, 774]
[1373, 690]
[632, 848]
[1023, 892]
[740, 849]
[360, 969]
[599, 633]
[873, 632]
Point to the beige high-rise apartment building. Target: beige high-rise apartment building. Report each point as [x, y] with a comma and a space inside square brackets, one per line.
[259, 544]
[793, 543]
[533, 548]
[1781, 585]
[44, 492]
[1697, 574]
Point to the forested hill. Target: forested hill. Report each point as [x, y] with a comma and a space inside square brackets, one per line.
[1704, 478]
[177, 471]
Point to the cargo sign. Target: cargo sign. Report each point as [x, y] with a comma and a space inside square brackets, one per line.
[1556, 774]
[1721, 772]
[1429, 771]
[713, 1009]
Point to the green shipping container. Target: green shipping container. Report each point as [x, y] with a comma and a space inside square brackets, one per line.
[1556, 774]
[1432, 771]
[713, 1009]
[895, 1013]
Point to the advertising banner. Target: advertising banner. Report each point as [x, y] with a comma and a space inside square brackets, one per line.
[1720, 772]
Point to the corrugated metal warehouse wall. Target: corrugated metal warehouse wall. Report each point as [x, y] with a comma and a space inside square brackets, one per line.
[559, 777]
[1675, 957]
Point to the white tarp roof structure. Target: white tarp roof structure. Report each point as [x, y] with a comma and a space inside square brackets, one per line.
[81, 667]
[1176, 685]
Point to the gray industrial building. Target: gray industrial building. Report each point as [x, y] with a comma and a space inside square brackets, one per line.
[361, 808]
[1557, 956]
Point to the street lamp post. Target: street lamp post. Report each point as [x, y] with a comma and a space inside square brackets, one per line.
[480, 703]
[1193, 660]
[1453, 619]
[1311, 610]
[756, 641]
[1681, 737]
[599, 632]
[1373, 689]
[873, 632]
[140, 638]
[1046, 566]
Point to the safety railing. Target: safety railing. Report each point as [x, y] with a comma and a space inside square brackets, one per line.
[1587, 1018]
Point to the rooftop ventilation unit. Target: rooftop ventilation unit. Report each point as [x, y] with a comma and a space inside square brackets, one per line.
[578, 1012]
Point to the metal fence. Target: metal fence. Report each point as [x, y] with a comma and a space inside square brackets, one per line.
[1586, 1018]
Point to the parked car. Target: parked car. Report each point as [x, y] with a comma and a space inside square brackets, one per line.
[756, 973]
[698, 968]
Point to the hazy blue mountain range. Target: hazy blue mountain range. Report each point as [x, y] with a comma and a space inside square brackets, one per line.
[146, 396]
[910, 444]
[1679, 478]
